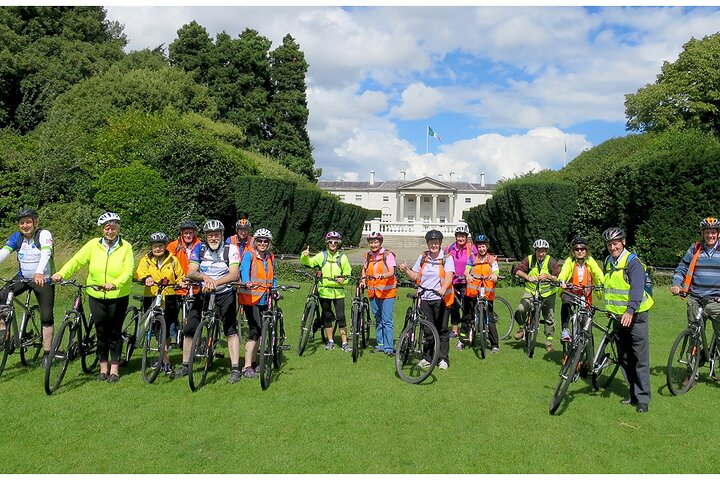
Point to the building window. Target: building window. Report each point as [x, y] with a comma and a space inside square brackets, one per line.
[411, 200]
[442, 219]
[426, 219]
[358, 198]
[468, 200]
[386, 198]
[342, 197]
[426, 199]
[442, 200]
[411, 218]
[386, 217]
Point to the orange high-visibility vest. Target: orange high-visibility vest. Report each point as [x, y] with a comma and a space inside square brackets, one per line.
[260, 278]
[482, 268]
[376, 267]
[685, 287]
[449, 296]
[585, 282]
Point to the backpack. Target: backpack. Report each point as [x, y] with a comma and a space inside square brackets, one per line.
[225, 255]
[36, 240]
[648, 280]
[367, 262]
[337, 260]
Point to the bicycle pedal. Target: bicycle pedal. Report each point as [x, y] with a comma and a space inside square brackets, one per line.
[284, 347]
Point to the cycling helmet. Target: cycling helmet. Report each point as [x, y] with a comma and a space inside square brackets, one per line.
[333, 235]
[263, 233]
[462, 229]
[578, 241]
[433, 235]
[709, 222]
[108, 217]
[375, 236]
[27, 212]
[540, 243]
[243, 223]
[213, 226]
[159, 237]
[613, 233]
[188, 224]
[482, 238]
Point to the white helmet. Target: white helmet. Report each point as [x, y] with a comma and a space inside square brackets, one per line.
[540, 243]
[213, 226]
[263, 233]
[108, 217]
[462, 229]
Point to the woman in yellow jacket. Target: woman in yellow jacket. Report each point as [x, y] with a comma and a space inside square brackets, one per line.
[110, 263]
[157, 266]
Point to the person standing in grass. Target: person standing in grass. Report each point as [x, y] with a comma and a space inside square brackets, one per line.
[378, 275]
[110, 263]
[482, 270]
[335, 268]
[460, 250]
[434, 270]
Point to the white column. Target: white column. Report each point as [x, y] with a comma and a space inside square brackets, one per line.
[417, 208]
[451, 208]
[401, 216]
[434, 218]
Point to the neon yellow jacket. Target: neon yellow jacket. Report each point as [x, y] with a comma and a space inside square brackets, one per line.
[330, 288]
[170, 268]
[596, 273]
[116, 268]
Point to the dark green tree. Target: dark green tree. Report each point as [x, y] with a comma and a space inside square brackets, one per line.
[193, 51]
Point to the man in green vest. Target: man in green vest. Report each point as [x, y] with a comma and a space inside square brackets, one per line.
[539, 266]
[625, 296]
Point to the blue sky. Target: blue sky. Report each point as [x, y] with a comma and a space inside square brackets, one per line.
[506, 87]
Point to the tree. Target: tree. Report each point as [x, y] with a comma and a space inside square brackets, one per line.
[685, 95]
[192, 51]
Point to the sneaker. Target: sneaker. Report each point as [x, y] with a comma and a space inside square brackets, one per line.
[346, 347]
[548, 345]
[249, 372]
[453, 334]
[443, 365]
[495, 350]
[330, 345]
[182, 371]
[113, 378]
[102, 377]
[167, 369]
[154, 365]
[390, 353]
[714, 376]
[235, 376]
[459, 345]
[423, 363]
[378, 350]
[565, 335]
[520, 334]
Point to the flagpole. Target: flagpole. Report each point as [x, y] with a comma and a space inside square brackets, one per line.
[427, 138]
[565, 153]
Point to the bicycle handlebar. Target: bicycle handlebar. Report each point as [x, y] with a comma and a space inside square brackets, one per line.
[73, 282]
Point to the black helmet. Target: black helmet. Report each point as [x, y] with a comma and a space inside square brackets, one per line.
[158, 237]
[27, 212]
[613, 233]
[433, 235]
[188, 224]
[578, 241]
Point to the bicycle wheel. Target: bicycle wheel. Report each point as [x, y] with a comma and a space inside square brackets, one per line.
[355, 325]
[88, 350]
[9, 341]
[265, 353]
[279, 339]
[306, 324]
[127, 335]
[153, 347]
[201, 352]
[482, 329]
[62, 352]
[569, 370]
[31, 337]
[504, 317]
[365, 323]
[531, 332]
[605, 363]
[683, 362]
[417, 351]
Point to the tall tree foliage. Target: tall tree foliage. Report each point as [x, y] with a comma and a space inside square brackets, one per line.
[44, 51]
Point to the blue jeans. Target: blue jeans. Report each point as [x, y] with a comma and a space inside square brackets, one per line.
[382, 310]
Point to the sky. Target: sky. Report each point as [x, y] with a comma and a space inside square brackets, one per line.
[508, 89]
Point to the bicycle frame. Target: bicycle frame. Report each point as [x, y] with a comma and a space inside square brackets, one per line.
[18, 327]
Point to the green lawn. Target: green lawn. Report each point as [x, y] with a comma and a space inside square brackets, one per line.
[325, 414]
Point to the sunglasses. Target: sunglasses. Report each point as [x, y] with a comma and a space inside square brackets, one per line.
[262, 240]
[333, 241]
[580, 249]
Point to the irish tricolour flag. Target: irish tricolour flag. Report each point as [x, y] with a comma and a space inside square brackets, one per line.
[433, 133]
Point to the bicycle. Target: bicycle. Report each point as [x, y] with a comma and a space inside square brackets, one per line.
[359, 319]
[310, 321]
[272, 336]
[606, 361]
[74, 337]
[28, 337]
[417, 342]
[532, 323]
[690, 351]
[579, 349]
[481, 319]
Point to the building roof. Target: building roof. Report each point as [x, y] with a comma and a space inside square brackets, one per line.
[394, 185]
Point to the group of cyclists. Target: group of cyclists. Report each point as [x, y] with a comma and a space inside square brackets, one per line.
[451, 279]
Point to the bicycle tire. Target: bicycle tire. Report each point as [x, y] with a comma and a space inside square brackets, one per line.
[306, 324]
[365, 323]
[9, 339]
[683, 362]
[505, 318]
[605, 363]
[265, 353]
[414, 346]
[127, 334]
[31, 337]
[569, 371]
[201, 352]
[355, 325]
[279, 339]
[531, 333]
[153, 347]
[59, 358]
[482, 328]
[88, 349]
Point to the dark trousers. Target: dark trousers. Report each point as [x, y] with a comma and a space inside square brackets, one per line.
[253, 314]
[469, 304]
[171, 311]
[108, 315]
[45, 296]
[634, 352]
[327, 315]
[455, 315]
[438, 314]
[227, 311]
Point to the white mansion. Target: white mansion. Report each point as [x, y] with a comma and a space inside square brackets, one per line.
[412, 207]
